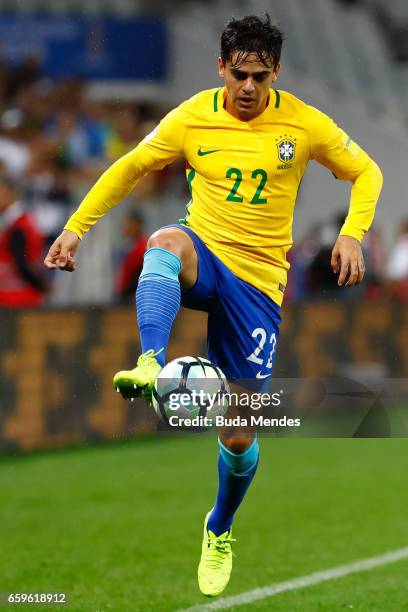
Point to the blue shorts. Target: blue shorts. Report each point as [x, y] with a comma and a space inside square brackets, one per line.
[243, 323]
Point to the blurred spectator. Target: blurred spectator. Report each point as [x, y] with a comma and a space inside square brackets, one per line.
[397, 268]
[322, 283]
[126, 133]
[300, 257]
[375, 261]
[46, 190]
[95, 124]
[21, 250]
[27, 72]
[37, 103]
[54, 144]
[132, 264]
[71, 138]
[14, 151]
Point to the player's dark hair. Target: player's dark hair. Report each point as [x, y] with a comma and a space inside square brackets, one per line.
[252, 34]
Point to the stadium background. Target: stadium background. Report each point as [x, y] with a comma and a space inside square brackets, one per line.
[81, 83]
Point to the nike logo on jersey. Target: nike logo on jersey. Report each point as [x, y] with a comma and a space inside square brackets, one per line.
[259, 375]
[200, 152]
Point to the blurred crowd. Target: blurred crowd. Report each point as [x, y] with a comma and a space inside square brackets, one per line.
[54, 144]
[311, 276]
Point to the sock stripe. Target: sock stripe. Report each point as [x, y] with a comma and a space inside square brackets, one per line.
[157, 277]
[151, 303]
[157, 303]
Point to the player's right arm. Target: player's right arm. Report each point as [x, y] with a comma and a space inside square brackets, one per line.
[161, 147]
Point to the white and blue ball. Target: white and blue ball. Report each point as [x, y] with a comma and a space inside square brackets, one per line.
[190, 387]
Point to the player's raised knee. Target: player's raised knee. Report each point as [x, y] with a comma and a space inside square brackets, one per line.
[238, 443]
[169, 239]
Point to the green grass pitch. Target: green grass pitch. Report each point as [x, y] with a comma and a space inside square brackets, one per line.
[118, 527]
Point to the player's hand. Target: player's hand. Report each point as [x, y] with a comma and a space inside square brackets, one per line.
[347, 261]
[62, 252]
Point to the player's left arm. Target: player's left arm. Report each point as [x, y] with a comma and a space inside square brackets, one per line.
[334, 149]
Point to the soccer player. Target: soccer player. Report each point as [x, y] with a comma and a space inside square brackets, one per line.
[246, 147]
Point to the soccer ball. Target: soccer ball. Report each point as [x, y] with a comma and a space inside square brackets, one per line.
[190, 392]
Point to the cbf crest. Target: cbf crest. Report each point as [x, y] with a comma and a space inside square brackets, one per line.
[286, 147]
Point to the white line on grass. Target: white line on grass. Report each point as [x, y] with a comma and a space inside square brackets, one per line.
[362, 565]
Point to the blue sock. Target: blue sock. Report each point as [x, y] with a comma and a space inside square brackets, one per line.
[235, 473]
[158, 299]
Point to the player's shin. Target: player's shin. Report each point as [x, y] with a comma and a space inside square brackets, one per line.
[158, 300]
[235, 473]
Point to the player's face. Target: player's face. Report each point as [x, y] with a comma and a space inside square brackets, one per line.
[248, 85]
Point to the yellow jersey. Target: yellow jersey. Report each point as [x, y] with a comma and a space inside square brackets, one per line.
[244, 177]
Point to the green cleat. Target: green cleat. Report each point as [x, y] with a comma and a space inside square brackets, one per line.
[215, 566]
[139, 381]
